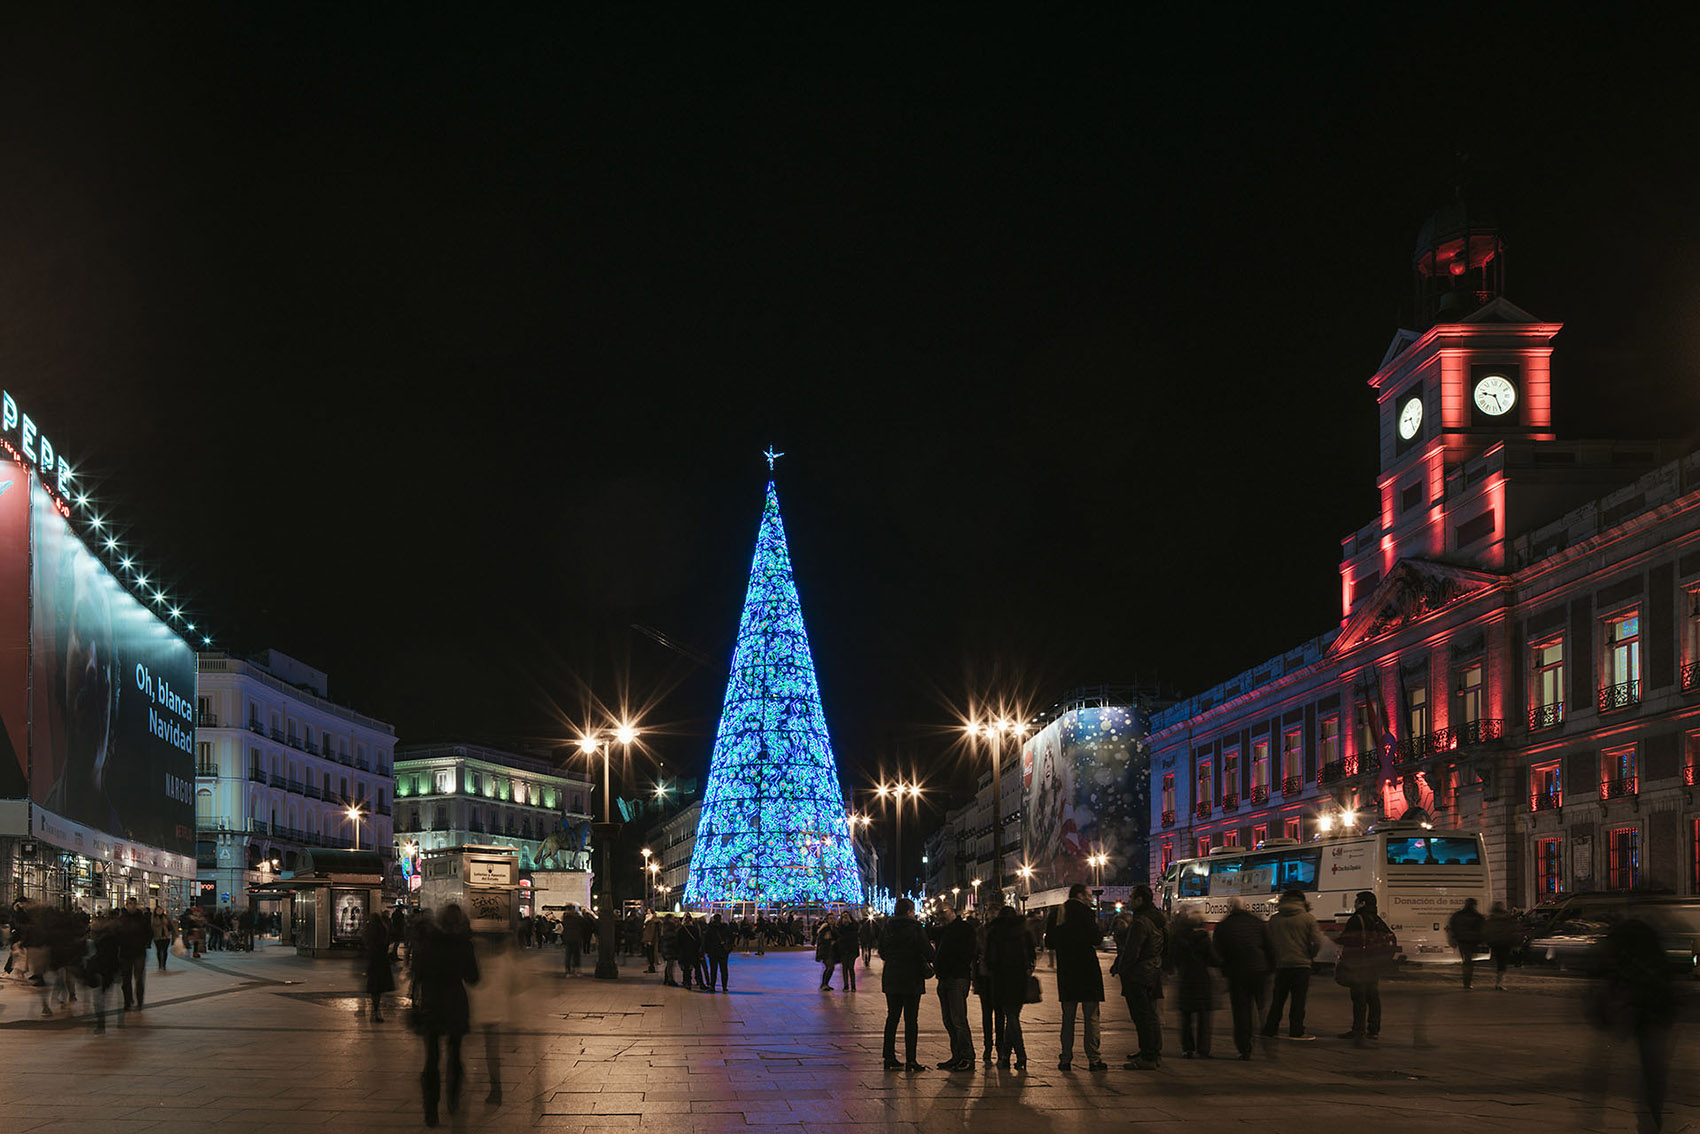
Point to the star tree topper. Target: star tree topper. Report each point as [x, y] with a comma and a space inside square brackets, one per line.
[771, 457]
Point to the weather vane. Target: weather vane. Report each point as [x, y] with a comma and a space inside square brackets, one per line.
[771, 457]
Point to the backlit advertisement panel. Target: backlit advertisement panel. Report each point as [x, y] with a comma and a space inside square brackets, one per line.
[1085, 790]
[14, 628]
[112, 693]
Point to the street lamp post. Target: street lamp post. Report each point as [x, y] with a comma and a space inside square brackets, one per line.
[976, 885]
[898, 791]
[994, 732]
[648, 902]
[354, 813]
[607, 967]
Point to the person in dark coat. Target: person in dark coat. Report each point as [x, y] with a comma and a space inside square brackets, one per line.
[1502, 933]
[991, 1016]
[716, 947]
[1242, 943]
[572, 938]
[1195, 993]
[1072, 934]
[1466, 929]
[1139, 963]
[826, 953]
[398, 931]
[1368, 951]
[1010, 959]
[957, 951]
[690, 950]
[443, 967]
[906, 953]
[845, 947]
[375, 939]
[1632, 1000]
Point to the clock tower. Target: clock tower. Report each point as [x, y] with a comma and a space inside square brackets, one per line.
[1460, 396]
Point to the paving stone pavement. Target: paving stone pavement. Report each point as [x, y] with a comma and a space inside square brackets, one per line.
[269, 1043]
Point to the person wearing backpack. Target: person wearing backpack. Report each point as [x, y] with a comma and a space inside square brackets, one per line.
[1367, 953]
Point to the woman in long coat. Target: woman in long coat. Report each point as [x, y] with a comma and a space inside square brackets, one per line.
[1010, 958]
[375, 938]
[846, 948]
[444, 967]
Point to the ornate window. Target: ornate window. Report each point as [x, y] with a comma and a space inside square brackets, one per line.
[1549, 872]
[1623, 857]
[1620, 687]
[1546, 786]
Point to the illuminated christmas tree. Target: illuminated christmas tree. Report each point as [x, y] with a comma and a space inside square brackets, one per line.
[773, 826]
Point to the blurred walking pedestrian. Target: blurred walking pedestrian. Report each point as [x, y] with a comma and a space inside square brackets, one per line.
[445, 965]
[1503, 934]
[1465, 929]
[1632, 999]
[375, 940]
[1195, 992]
[572, 938]
[1072, 936]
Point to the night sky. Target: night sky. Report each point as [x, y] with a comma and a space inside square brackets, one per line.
[437, 354]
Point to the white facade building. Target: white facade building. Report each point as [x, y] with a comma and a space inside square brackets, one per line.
[452, 793]
[278, 767]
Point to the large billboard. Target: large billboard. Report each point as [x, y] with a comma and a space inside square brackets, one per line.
[15, 482]
[1086, 791]
[112, 695]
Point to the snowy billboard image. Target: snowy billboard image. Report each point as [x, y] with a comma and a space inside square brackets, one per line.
[1085, 790]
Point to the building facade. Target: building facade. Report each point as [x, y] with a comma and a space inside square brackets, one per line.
[1073, 787]
[1518, 639]
[452, 793]
[672, 842]
[279, 768]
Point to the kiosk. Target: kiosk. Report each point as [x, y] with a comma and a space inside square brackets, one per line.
[330, 894]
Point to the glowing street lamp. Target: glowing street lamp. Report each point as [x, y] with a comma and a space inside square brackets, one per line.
[898, 791]
[1097, 862]
[994, 732]
[355, 814]
[607, 968]
[976, 885]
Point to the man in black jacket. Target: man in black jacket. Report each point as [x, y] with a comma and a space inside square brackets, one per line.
[1072, 934]
[134, 931]
[954, 965]
[906, 953]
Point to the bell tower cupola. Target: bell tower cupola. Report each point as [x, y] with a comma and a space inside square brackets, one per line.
[1459, 263]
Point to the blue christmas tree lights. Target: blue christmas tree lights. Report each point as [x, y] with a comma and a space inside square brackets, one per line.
[773, 826]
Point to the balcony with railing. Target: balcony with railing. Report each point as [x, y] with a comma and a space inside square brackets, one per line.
[1203, 809]
[1546, 800]
[1414, 749]
[1546, 716]
[256, 726]
[1691, 677]
[1484, 730]
[1688, 776]
[1618, 788]
[206, 720]
[206, 769]
[257, 775]
[1169, 818]
[1231, 801]
[1623, 695]
[1259, 794]
[1292, 785]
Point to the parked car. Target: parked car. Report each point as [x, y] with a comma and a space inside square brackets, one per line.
[1566, 933]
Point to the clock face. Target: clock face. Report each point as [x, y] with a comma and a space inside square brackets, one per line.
[1495, 395]
[1410, 418]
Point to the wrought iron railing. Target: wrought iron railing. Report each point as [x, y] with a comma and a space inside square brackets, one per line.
[1614, 789]
[1623, 695]
[1202, 809]
[1259, 794]
[1169, 818]
[1688, 776]
[206, 769]
[1292, 785]
[206, 720]
[1546, 716]
[1690, 676]
[1414, 748]
[1231, 801]
[1482, 731]
[1546, 800]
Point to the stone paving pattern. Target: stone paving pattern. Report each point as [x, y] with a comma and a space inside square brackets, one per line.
[269, 1043]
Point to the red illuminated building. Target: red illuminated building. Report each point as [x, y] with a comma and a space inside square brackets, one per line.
[1519, 643]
